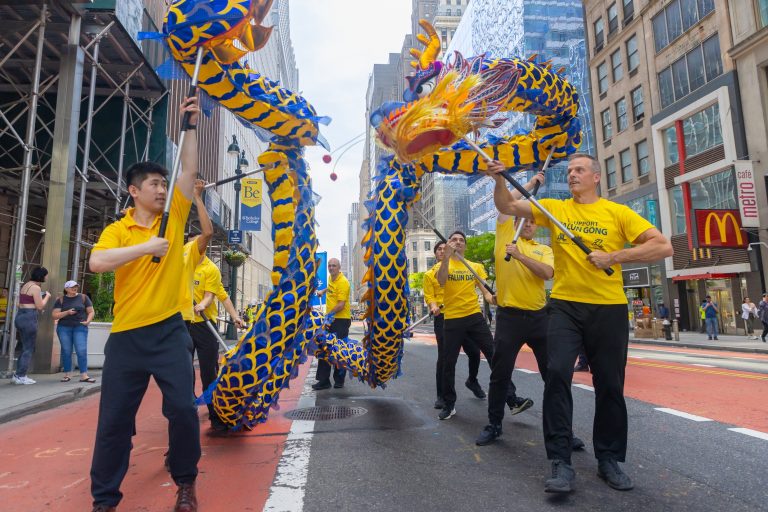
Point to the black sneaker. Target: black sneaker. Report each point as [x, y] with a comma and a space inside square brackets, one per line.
[217, 425]
[446, 413]
[488, 435]
[475, 388]
[562, 478]
[439, 403]
[577, 444]
[320, 385]
[610, 471]
[519, 405]
[581, 368]
[338, 385]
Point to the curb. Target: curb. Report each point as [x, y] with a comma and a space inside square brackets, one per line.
[46, 403]
[682, 344]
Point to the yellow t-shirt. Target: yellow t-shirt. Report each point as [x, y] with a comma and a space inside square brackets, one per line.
[603, 225]
[459, 295]
[516, 285]
[191, 257]
[146, 292]
[208, 279]
[338, 290]
[433, 292]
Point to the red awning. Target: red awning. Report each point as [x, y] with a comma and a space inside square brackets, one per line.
[708, 275]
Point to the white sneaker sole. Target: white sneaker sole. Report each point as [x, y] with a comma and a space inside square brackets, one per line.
[453, 412]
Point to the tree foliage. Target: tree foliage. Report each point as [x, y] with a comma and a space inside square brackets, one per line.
[480, 250]
[101, 287]
[416, 281]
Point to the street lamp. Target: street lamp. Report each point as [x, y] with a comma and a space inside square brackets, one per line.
[241, 164]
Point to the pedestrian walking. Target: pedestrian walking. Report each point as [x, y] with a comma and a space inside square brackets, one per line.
[73, 312]
[337, 306]
[710, 317]
[762, 314]
[748, 314]
[149, 337]
[434, 297]
[31, 300]
[463, 318]
[588, 308]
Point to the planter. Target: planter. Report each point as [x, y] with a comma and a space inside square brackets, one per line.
[234, 262]
[98, 332]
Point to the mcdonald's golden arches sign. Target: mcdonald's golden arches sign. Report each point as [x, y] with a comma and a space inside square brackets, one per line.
[720, 228]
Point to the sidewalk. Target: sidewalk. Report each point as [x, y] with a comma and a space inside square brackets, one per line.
[730, 342]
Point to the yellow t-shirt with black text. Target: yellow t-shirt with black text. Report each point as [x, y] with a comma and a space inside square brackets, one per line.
[602, 225]
[459, 295]
[433, 292]
[145, 292]
[208, 279]
[338, 290]
[516, 285]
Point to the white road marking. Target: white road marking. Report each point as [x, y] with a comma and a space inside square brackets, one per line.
[704, 365]
[289, 485]
[584, 386]
[750, 432]
[525, 370]
[682, 414]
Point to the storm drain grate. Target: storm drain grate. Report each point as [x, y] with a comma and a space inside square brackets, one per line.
[324, 413]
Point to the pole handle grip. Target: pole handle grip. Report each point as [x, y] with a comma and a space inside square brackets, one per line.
[161, 233]
[185, 119]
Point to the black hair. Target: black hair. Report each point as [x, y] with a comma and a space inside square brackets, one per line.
[438, 245]
[458, 233]
[38, 274]
[140, 171]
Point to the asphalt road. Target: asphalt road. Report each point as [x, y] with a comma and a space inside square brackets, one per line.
[399, 456]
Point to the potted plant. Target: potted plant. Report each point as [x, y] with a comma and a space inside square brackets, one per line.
[234, 257]
[101, 288]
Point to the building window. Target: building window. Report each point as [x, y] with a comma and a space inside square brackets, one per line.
[599, 34]
[691, 71]
[638, 107]
[628, 8]
[633, 56]
[431, 262]
[715, 192]
[415, 246]
[702, 131]
[610, 172]
[602, 77]
[666, 91]
[678, 17]
[427, 245]
[680, 78]
[762, 11]
[621, 115]
[643, 163]
[618, 73]
[607, 127]
[625, 159]
[415, 265]
[613, 18]
[713, 63]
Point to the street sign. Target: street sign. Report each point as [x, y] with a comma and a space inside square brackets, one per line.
[234, 236]
[636, 277]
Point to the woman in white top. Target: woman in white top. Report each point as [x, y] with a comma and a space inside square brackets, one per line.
[748, 313]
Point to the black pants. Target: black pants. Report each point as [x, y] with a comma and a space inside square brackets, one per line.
[472, 328]
[514, 327]
[473, 355]
[162, 351]
[602, 331]
[765, 330]
[207, 347]
[339, 327]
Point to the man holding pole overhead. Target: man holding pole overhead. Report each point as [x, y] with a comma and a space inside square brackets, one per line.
[588, 307]
[148, 336]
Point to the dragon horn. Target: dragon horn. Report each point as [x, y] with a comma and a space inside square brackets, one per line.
[431, 48]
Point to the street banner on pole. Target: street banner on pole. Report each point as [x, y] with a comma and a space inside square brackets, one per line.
[322, 278]
[250, 200]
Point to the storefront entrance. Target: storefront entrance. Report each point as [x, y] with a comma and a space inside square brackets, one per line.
[720, 291]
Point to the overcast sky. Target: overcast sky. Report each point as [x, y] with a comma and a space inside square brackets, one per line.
[337, 42]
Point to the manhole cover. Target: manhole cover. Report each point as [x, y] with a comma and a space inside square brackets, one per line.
[328, 412]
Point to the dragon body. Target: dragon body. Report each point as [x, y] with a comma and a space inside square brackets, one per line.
[443, 103]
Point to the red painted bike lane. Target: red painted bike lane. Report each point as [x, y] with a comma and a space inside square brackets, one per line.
[46, 459]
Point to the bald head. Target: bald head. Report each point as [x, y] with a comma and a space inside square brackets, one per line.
[334, 267]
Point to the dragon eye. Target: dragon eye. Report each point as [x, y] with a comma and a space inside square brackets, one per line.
[419, 89]
[425, 88]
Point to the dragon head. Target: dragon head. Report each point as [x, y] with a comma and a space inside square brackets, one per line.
[216, 25]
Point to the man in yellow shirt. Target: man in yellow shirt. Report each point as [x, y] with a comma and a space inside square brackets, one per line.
[149, 338]
[463, 318]
[587, 308]
[337, 305]
[433, 296]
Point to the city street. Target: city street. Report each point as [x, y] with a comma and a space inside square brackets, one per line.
[698, 441]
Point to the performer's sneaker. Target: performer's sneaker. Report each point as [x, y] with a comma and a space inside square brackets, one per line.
[439, 403]
[186, 499]
[319, 386]
[103, 508]
[217, 425]
[577, 444]
[609, 470]
[446, 413]
[562, 478]
[489, 434]
[338, 385]
[475, 388]
[519, 405]
[581, 368]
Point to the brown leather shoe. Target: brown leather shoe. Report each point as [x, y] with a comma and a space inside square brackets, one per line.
[186, 500]
[103, 508]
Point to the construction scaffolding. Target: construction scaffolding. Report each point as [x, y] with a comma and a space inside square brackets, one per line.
[52, 135]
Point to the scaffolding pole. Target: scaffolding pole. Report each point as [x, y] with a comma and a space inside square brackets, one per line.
[121, 156]
[18, 258]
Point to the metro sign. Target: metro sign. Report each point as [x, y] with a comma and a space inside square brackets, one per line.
[720, 228]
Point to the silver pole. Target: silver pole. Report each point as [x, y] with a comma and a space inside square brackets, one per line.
[121, 157]
[86, 157]
[21, 227]
[9, 272]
